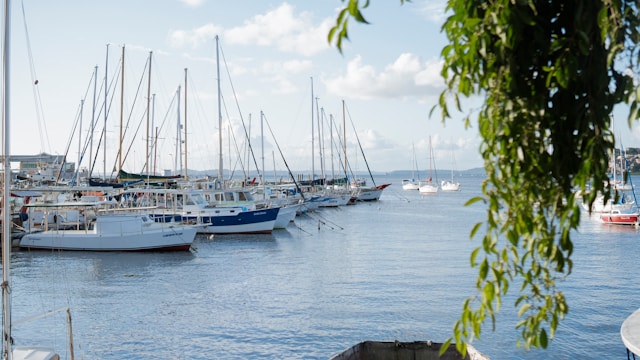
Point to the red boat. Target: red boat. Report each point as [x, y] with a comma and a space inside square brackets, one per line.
[621, 217]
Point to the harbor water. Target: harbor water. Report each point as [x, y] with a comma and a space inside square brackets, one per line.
[395, 269]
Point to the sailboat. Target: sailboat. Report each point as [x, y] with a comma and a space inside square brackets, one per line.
[8, 350]
[412, 184]
[360, 190]
[625, 211]
[429, 186]
[450, 185]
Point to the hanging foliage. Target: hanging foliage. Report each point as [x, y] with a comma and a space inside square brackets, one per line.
[550, 73]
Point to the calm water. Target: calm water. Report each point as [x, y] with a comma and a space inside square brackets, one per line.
[394, 269]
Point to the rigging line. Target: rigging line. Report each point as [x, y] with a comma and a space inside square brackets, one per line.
[238, 157]
[324, 221]
[361, 150]
[36, 90]
[126, 155]
[81, 155]
[283, 159]
[89, 139]
[200, 114]
[301, 229]
[238, 154]
[107, 109]
[253, 156]
[75, 127]
[242, 165]
[126, 127]
[164, 120]
[341, 145]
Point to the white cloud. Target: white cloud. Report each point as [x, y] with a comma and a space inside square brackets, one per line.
[281, 28]
[195, 37]
[434, 11]
[193, 3]
[284, 29]
[407, 77]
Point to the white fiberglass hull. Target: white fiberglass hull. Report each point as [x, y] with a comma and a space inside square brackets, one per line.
[115, 233]
[428, 189]
[450, 186]
[285, 216]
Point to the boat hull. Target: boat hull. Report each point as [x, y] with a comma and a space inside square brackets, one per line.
[427, 350]
[115, 233]
[428, 189]
[243, 222]
[450, 186]
[285, 216]
[620, 219]
[371, 194]
[335, 201]
[410, 186]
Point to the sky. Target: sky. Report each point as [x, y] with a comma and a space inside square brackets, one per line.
[277, 73]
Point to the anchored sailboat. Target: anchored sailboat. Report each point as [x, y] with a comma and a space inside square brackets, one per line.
[412, 184]
[429, 186]
[450, 185]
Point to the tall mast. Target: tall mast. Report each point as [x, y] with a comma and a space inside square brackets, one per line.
[262, 179]
[178, 135]
[93, 119]
[312, 137]
[6, 209]
[333, 175]
[186, 167]
[121, 113]
[79, 142]
[219, 112]
[154, 144]
[106, 90]
[320, 140]
[344, 138]
[147, 153]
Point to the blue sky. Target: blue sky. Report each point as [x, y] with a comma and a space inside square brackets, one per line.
[387, 75]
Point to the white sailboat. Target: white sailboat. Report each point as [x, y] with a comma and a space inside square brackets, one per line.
[8, 349]
[412, 184]
[450, 185]
[429, 186]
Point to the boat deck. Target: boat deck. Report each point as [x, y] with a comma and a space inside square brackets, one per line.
[630, 333]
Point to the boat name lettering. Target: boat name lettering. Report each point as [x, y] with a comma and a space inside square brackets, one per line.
[173, 234]
[260, 213]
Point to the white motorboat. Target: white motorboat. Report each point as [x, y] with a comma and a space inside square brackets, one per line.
[125, 231]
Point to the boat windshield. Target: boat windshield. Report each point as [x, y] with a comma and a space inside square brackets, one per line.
[198, 199]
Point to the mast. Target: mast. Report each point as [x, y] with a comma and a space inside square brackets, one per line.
[186, 167]
[80, 141]
[178, 135]
[106, 90]
[262, 179]
[93, 119]
[333, 174]
[320, 140]
[312, 137]
[148, 113]
[154, 143]
[121, 114]
[6, 208]
[219, 112]
[344, 142]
